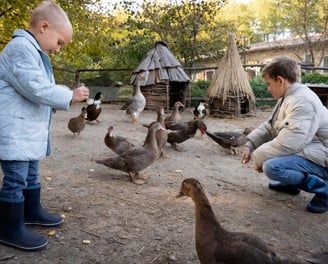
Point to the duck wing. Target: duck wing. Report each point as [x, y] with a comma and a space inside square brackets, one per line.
[137, 105]
[174, 125]
[247, 248]
[119, 145]
[228, 139]
[318, 258]
[93, 112]
[76, 124]
[117, 163]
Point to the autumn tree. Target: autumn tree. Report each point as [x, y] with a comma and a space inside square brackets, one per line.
[309, 21]
[187, 27]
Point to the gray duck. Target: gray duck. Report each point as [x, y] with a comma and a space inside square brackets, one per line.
[216, 245]
[175, 115]
[137, 159]
[77, 124]
[182, 131]
[230, 139]
[94, 108]
[138, 102]
[119, 145]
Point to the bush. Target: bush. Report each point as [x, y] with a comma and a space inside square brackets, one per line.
[260, 90]
[314, 78]
[259, 87]
[199, 88]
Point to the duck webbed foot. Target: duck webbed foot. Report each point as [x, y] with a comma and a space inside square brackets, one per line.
[233, 151]
[141, 176]
[137, 181]
[134, 121]
[178, 148]
[164, 156]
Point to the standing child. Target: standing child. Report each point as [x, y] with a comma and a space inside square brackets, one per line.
[291, 148]
[28, 96]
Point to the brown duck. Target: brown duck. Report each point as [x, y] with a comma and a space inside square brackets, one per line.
[137, 159]
[77, 124]
[182, 131]
[161, 135]
[230, 139]
[216, 245]
[175, 115]
[119, 145]
[94, 108]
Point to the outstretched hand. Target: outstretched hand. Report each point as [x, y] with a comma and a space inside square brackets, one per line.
[80, 94]
[246, 156]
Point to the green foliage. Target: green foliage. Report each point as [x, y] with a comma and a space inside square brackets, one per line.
[259, 87]
[314, 78]
[261, 91]
[125, 91]
[199, 88]
[186, 26]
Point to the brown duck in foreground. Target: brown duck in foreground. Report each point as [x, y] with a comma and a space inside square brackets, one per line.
[230, 139]
[136, 159]
[77, 124]
[119, 145]
[182, 131]
[215, 245]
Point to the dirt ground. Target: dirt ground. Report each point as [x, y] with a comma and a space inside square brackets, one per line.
[128, 223]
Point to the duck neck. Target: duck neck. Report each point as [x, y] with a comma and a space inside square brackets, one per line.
[160, 119]
[137, 90]
[193, 127]
[203, 210]
[150, 141]
[176, 110]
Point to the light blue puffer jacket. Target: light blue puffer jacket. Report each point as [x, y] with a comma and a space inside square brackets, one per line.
[28, 94]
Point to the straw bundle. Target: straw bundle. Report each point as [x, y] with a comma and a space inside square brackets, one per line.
[230, 80]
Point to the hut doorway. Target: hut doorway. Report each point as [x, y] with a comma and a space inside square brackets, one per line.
[176, 93]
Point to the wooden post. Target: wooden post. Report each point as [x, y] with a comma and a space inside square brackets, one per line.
[167, 97]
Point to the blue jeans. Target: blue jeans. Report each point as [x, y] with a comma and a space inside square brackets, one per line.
[18, 175]
[292, 169]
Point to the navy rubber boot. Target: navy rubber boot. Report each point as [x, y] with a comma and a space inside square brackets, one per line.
[318, 186]
[285, 188]
[13, 231]
[34, 212]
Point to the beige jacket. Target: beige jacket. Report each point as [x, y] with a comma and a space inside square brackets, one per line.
[298, 125]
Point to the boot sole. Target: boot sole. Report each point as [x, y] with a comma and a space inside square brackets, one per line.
[284, 189]
[316, 210]
[31, 249]
[43, 224]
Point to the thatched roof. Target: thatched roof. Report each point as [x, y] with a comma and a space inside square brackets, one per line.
[230, 78]
[161, 65]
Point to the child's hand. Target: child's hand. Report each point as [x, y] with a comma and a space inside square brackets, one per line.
[246, 156]
[80, 94]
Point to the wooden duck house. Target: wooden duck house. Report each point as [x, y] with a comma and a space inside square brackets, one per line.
[166, 80]
[229, 93]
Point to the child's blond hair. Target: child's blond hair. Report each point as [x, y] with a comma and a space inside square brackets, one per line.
[50, 12]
